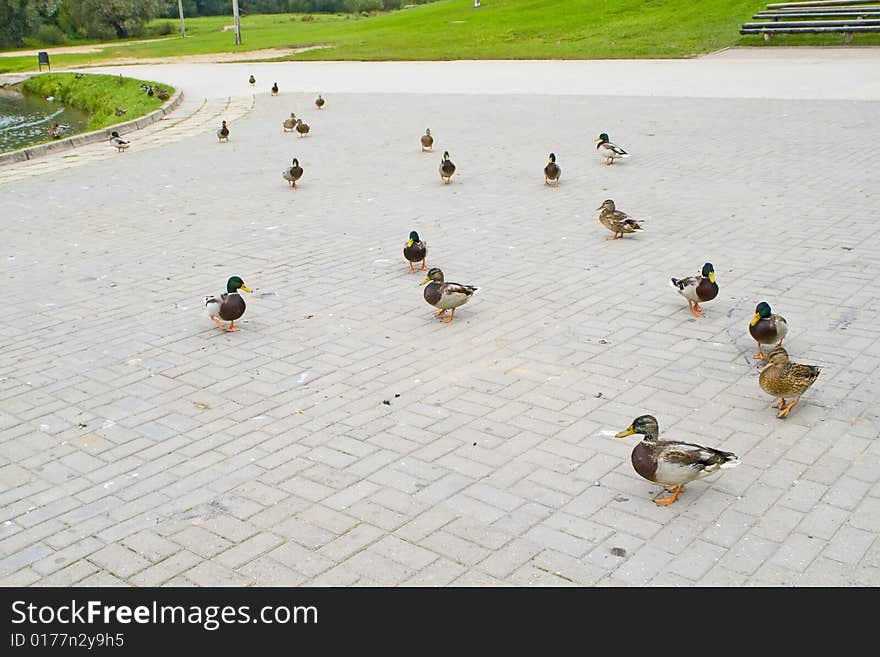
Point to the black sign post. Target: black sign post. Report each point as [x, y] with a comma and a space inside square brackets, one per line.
[43, 58]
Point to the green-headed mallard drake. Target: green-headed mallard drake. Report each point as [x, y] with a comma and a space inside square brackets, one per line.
[616, 221]
[302, 128]
[767, 327]
[289, 125]
[447, 168]
[415, 250]
[672, 463]
[223, 132]
[274, 88]
[446, 296]
[608, 150]
[697, 288]
[252, 80]
[293, 173]
[319, 102]
[118, 142]
[427, 141]
[782, 378]
[552, 171]
[229, 306]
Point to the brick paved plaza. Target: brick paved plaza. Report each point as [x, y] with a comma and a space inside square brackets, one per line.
[346, 437]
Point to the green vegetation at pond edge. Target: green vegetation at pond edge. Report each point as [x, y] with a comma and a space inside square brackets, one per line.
[99, 95]
[453, 29]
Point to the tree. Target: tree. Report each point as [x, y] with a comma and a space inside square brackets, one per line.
[21, 18]
[112, 18]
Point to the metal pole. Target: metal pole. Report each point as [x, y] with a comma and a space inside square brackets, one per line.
[237, 22]
[182, 23]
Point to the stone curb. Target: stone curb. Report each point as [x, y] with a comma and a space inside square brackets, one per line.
[103, 134]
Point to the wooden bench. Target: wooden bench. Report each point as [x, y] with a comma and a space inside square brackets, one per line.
[845, 17]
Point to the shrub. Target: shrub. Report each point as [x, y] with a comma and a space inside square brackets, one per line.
[162, 28]
[308, 18]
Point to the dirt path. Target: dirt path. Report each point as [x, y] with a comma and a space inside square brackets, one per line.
[72, 50]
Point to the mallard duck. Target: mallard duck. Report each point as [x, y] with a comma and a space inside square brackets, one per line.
[608, 150]
[697, 288]
[767, 327]
[302, 128]
[223, 132]
[319, 102]
[427, 141]
[229, 306]
[446, 296]
[252, 80]
[162, 94]
[447, 168]
[274, 88]
[671, 463]
[415, 251]
[293, 173]
[552, 171]
[118, 142]
[782, 378]
[616, 221]
[55, 131]
[119, 111]
[289, 124]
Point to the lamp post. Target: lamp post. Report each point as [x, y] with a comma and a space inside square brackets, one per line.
[237, 22]
[182, 23]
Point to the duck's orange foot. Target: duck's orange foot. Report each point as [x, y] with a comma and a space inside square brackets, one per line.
[217, 322]
[446, 320]
[785, 411]
[439, 313]
[778, 404]
[666, 501]
[411, 270]
[696, 311]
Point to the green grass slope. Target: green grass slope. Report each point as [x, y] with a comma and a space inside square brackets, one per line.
[99, 95]
[453, 29]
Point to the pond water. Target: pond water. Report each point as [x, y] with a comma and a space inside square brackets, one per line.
[25, 120]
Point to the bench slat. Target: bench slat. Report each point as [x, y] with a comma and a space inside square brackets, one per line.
[823, 3]
[768, 14]
[808, 30]
[854, 23]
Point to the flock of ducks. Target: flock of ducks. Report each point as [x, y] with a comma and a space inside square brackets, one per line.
[670, 463]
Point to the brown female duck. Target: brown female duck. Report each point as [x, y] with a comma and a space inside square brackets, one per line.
[782, 378]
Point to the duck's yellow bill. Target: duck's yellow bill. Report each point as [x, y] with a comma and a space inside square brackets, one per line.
[711, 276]
[246, 288]
[755, 319]
[409, 243]
[626, 432]
[427, 280]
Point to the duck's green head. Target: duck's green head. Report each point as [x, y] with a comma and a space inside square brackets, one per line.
[603, 137]
[445, 155]
[645, 425]
[434, 274]
[224, 123]
[607, 204]
[762, 311]
[709, 271]
[235, 284]
[552, 157]
[114, 134]
[413, 238]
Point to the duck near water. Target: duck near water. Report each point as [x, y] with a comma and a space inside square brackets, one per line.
[616, 221]
[671, 463]
[697, 288]
[228, 306]
[446, 296]
[415, 250]
[782, 378]
[118, 142]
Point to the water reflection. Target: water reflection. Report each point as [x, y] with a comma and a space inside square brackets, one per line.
[26, 119]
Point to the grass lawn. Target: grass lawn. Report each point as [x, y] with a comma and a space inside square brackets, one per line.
[500, 29]
[99, 95]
